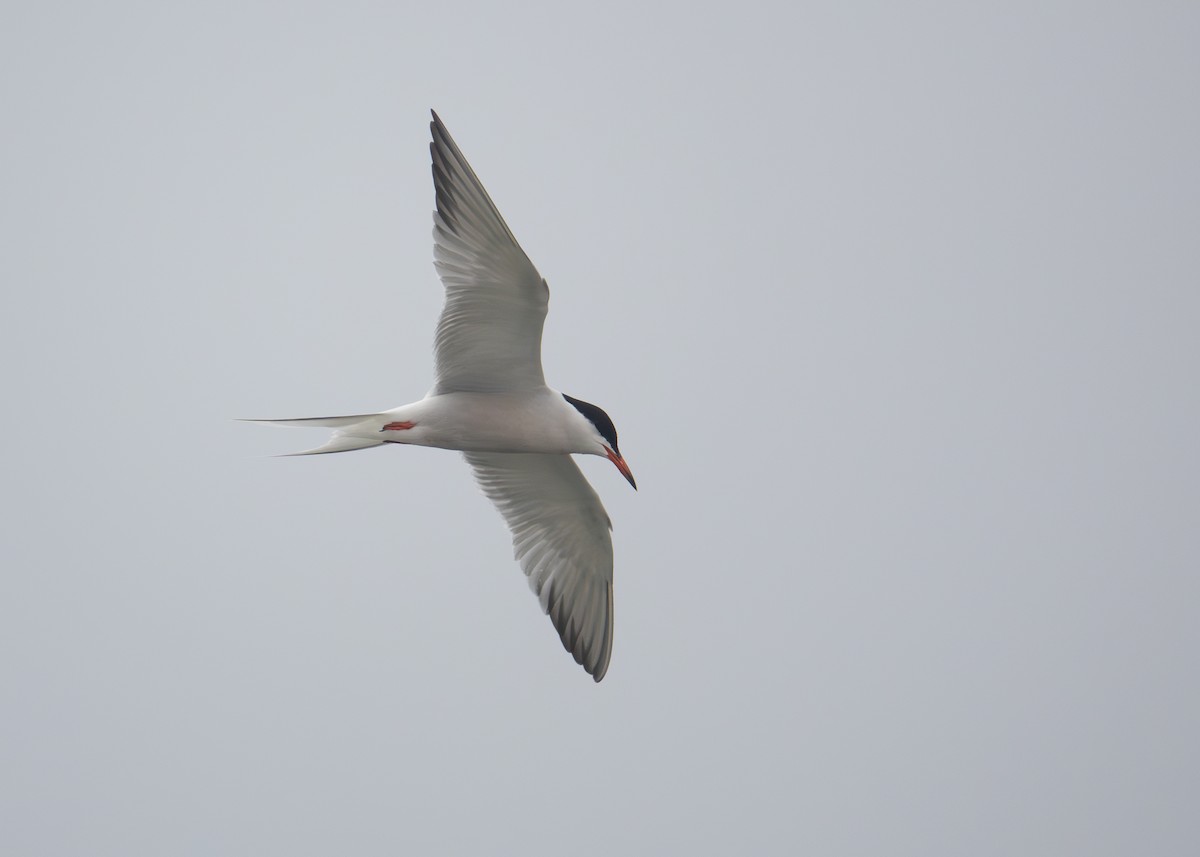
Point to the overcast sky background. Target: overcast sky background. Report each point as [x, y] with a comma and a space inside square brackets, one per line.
[896, 308]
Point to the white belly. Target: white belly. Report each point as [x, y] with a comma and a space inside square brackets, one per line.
[490, 422]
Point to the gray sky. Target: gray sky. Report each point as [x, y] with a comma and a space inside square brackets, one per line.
[895, 309]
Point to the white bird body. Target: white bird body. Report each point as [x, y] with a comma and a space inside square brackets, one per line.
[528, 421]
[490, 401]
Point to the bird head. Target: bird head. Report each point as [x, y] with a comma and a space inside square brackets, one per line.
[605, 435]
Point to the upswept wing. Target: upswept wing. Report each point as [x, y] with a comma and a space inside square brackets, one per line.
[489, 338]
[561, 538]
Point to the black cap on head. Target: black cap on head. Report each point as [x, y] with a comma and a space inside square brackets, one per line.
[598, 418]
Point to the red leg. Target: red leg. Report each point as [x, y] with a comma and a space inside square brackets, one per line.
[401, 426]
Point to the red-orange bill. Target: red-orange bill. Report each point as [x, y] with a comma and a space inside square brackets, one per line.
[622, 466]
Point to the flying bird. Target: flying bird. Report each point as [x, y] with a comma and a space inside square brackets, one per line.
[490, 401]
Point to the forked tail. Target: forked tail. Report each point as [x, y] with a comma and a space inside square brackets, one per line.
[342, 441]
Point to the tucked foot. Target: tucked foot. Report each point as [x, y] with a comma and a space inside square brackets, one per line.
[400, 426]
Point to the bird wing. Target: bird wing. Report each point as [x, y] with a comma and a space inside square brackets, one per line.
[561, 539]
[489, 338]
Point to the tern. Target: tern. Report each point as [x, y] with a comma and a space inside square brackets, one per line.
[490, 401]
